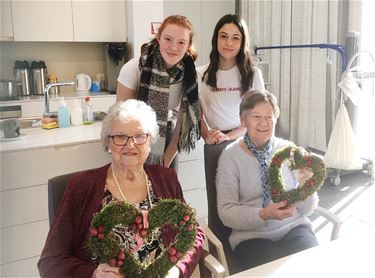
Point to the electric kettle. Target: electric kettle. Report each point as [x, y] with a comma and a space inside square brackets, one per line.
[83, 82]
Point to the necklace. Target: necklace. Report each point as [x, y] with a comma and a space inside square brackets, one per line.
[148, 185]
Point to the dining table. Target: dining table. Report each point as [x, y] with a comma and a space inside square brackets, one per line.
[344, 257]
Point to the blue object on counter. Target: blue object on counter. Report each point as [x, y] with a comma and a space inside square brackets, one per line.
[95, 86]
[63, 115]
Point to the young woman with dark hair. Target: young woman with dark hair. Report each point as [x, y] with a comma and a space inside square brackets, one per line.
[225, 79]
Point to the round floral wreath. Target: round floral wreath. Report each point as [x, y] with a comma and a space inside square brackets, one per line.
[297, 159]
[103, 244]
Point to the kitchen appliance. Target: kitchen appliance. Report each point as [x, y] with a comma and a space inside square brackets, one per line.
[39, 76]
[22, 75]
[9, 89]
[114, 59]
[83, 82]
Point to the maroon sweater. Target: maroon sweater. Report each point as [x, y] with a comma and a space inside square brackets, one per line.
[65, 253]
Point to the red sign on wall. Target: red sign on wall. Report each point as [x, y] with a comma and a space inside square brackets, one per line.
[155, 27]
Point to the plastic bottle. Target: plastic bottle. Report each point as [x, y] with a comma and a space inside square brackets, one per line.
[76, 113]
[88, 114]
[63, 114]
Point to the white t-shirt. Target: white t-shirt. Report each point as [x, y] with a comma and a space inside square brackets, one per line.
[130, 76]
[221, 108]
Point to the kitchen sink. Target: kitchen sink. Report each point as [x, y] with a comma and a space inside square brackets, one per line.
[29, 122]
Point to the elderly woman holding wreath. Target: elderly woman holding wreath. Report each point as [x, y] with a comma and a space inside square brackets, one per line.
[128, 131]
[262, 231]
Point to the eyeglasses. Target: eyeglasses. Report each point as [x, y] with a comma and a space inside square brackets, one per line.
[121, 140]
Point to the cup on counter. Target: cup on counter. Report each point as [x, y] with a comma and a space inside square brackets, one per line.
[95, 86]
[11, 128]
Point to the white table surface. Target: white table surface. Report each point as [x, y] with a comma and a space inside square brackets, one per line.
[352, 257]
[40, 138]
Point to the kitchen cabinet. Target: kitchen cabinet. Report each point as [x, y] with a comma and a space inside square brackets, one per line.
[6, 28]
[24, 197]
[69, 20]
[42, 20]
[99, 21]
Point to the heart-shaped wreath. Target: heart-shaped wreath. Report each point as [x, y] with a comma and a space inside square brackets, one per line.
[297, 158]
[103, 244]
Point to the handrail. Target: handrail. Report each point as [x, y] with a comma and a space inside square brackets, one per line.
[339, 48]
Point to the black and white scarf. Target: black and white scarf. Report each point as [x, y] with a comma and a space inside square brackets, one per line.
[154, 87]
[263, 156]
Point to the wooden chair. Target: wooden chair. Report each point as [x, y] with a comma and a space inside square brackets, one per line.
[217, 233]
[209, 266]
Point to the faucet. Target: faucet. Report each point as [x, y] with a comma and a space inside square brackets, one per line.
[46, 95]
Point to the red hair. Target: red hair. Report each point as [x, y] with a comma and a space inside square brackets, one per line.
[182, 21]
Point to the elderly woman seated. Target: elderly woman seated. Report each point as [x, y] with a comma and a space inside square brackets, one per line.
[128, 131]
[262, 231]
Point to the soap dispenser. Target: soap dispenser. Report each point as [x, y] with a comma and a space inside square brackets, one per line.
[63, 114]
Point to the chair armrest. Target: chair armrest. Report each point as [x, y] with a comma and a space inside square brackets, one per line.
[216, 243]
[213, 265]
[336, 221]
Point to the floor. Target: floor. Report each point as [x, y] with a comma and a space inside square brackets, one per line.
[353, 200]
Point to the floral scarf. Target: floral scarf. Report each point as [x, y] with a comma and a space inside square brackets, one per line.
[263, 156]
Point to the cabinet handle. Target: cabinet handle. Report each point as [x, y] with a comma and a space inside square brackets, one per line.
[67, 148]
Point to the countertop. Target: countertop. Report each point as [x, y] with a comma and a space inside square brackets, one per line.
[34, 138]
[72, 95]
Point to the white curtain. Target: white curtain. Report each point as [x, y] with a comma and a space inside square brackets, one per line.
[303, 79]
[365, 126]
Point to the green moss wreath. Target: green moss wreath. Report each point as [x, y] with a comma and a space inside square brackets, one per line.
[297, 159]
[102, 243]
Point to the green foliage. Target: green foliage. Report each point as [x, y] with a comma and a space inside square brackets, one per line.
[166, 212]
[296, 160]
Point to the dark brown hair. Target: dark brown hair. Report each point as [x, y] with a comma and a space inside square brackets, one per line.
[243, 59]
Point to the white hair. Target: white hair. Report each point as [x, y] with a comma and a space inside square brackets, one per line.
[130, 109]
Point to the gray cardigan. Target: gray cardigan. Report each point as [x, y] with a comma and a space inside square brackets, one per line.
[240, 197]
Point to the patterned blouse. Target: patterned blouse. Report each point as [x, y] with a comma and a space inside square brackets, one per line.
[146, 250]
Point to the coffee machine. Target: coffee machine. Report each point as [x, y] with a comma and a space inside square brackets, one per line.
[114, 59]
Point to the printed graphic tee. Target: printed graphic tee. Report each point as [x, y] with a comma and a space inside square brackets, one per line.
[221, 107]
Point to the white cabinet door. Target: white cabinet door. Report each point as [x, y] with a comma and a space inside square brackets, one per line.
[42, 20]
[99, 21]
[6, 28]
[34, 167]
[24, 199]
